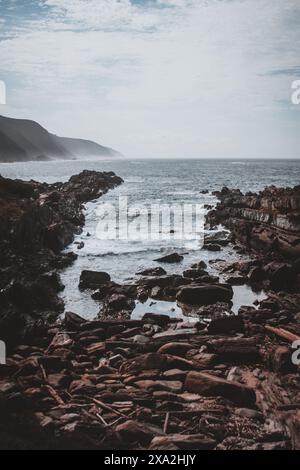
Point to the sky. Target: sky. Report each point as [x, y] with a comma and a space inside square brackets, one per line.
[157, 78]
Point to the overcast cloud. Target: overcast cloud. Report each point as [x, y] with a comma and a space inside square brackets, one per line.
[173, 78]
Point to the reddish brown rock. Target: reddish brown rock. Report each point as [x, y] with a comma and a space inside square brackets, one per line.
[210, 385]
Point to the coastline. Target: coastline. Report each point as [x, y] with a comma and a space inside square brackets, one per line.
[117, 383]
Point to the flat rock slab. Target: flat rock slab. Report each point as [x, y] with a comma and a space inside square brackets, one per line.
[210, 385]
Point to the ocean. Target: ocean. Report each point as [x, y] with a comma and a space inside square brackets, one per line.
[162, 181]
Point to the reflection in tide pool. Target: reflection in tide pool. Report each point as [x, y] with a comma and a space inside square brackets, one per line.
[242, 295]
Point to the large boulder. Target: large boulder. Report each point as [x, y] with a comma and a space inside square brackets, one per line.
[93, 279]
[204, 295]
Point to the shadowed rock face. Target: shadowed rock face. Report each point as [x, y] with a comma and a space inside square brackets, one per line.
[268, 221]
[24, 140]
[36, 222]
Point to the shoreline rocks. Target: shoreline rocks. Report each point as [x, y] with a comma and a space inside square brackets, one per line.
[221, 382]
[38, 221]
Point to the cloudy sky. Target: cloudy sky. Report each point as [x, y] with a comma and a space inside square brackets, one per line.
[163, 78]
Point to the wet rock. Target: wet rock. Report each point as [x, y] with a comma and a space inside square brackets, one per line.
[93, 279]
[172, 258]
[204, 295]
[158, 271]
[157, 318]
[211, 247]
[236, 280]
[226, 325]
[73, 320]
[210, 385]
[194, 273]
[256, 274]
[200, 265]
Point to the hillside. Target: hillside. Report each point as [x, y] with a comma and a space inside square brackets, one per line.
[25, 140]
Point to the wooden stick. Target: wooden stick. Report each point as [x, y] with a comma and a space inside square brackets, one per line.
[166, 423]
[54, 395]
[101, 419]
[120, 419]
[283, 333]
[108, 408]
[44, 373]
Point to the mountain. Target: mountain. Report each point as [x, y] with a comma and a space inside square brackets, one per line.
[24, 140]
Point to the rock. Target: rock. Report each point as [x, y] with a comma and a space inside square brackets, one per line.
[172, 258]
[141, 339]
[256, 274]
[200, 265]
[93, 279]
[174, 386]
[157, 318]
[236, 350]
[204, 295]
[281, 275]
[281, 359]
[211, 247]
[194, 273]
[72, 320]
[183, 441]
[133, 431]
[158, 271]
[204, 360]
[59, 380]
[249, 413]
[236, 280]
[82, 387]
[176, 348]
[210, 385]
[53, 363]
[155, 361]
[61, 340]
[176, 334]
[226, 325]
[118, 302]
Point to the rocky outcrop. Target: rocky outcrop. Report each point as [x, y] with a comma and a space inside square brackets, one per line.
[37, 221]
[267, 221]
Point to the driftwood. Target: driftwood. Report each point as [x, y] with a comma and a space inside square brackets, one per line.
[108, 408]
[284, 334]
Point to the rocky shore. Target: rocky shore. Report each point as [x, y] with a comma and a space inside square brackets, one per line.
[37, 221]
[221, 381]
